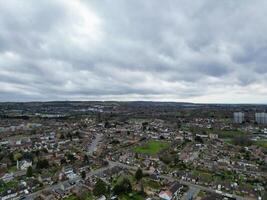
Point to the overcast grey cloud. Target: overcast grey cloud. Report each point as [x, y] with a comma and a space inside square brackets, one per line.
[184, 50]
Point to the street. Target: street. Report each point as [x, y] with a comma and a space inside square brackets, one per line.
[193, 188]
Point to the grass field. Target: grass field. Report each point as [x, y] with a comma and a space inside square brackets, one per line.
[132, 196]
[151, 184]
[72, 197]
[86, 196]
[230, 134]
[6, 186]
[152, 147]
[228, 140]
[262, 143]
[221, 133]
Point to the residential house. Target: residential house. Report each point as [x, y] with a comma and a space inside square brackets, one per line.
[102, 198]
[172, 192]
[24, 164]
[8, 177]
[47, 195]
[9, 194]
[68, 171]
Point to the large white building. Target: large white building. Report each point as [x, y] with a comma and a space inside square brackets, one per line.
[261, 118]
[239, 117]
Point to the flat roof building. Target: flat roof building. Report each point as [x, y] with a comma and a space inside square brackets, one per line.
[261, 118]
[239, 117]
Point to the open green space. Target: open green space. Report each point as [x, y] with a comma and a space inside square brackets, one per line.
[84, 196]
[228, 140]
[12, 169]
[71, 197]
[261, 143]
[9, 185]
[152, 147]
[230, 134]
[152, 184]
[119, 179]
[132, 196]
[221, 133]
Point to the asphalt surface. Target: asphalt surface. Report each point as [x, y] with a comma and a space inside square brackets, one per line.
[58, 185]
[94, 144]
[191, 193]
[193, 188]
[190, 185]
[92, 148]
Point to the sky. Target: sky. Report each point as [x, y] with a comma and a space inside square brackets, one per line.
[173, 50]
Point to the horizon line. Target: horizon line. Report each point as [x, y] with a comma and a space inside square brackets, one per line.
[129, 101]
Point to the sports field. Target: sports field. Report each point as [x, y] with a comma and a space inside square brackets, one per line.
[152, 147]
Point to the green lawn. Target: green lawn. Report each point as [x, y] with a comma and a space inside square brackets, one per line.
[221, 133]
[120, 178]
[228, 140]
[152, 184]
[9, 185]
[132, 196]
[261, 143]
[204, 175]
[12, 169]
[71, 197]
[230, 134]
[152, 147]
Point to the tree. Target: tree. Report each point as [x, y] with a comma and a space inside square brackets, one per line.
[199, 139]
[166, 158]
[265, 195]
[84, 195]
[138, 174]
[45, 150]
[107, 124]
[63, 161]
[61, 136]
[101, 188]
[28, 156]
[29, 172]
[144, 126]
[123, 187]
[69, 136]
[71, 157]
[33, 132]
[86, 159]
[42, 164]
[17, 156]
[179, 124]
[11, 157]
[83, 175]
[242, 141]
[98, 118]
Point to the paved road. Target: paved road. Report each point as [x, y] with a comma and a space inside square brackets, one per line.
[113, 164]
[92, 148]
[57, 186]
[52, 187]
[94, 144]
[20, 173]
[191, 193]
[190, 185]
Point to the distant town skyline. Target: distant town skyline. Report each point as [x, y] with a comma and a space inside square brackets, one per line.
[181, 51]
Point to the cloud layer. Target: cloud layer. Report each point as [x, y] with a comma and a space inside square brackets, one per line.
[185, 50]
